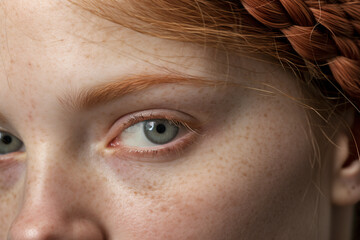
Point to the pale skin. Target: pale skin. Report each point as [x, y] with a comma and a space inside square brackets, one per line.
[246, 172]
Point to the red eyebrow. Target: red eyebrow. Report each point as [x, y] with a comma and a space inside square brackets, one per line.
[103, 93]
[3, 118]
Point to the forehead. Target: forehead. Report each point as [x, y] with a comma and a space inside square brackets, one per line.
[52, 47]
[66, 36]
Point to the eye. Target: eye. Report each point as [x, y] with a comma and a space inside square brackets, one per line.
[9, 143]
[151, 133]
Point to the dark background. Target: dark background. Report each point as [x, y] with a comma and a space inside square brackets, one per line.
[357, 222]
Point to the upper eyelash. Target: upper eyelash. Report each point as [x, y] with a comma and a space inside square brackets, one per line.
[139, 118]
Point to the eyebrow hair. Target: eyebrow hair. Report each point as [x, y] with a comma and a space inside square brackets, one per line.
[3, 118]
[104, 93]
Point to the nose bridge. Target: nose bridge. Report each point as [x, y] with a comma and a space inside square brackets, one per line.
[46, 174]
[49, 206]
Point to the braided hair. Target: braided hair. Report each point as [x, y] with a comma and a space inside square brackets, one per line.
[319, 31]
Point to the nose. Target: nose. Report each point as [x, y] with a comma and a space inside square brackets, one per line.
[43, 218]
[39, 225]
[53, 207]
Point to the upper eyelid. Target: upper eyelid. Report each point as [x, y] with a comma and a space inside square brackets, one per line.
[144, 115]
[174, 121]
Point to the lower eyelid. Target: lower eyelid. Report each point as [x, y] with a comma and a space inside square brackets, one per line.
[17, 156]
[161, 153]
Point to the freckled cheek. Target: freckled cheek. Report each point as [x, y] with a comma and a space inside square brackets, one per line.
[196, 211]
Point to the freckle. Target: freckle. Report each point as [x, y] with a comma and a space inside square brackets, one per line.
[163, 209]
[200, 199]
[104, 179]
[33, 105]
[29, 64]
[30, 117]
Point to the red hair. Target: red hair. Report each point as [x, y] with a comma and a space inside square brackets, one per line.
[316, 36]
[320, 32]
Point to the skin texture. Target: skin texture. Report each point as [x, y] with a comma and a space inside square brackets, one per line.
[247, 174]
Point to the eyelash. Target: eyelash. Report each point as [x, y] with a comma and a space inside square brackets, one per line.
[175, 147]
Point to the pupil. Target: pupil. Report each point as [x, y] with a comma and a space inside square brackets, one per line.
[160, 128]
[6, 139]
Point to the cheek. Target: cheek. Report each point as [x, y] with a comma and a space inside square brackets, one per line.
[224, 194]
[9, 195]
[194, 208]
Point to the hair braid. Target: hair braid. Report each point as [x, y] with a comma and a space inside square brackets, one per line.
[321, 32]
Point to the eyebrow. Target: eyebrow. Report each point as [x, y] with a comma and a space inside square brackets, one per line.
[3, 118]
[103, 93]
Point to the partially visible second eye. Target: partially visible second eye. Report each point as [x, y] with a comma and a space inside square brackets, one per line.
[9, 143]
[150, 133]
